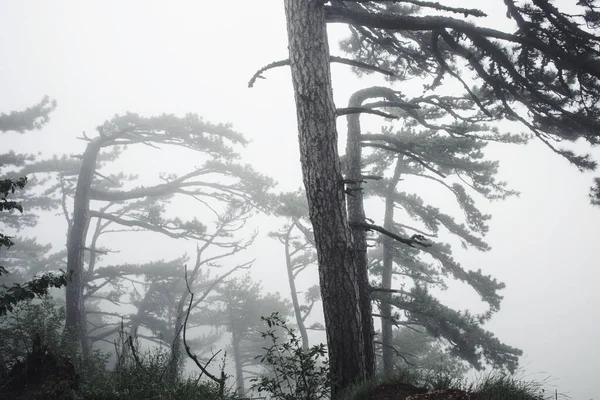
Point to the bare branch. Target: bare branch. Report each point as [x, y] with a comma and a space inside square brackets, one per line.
[221, 380]
[401, 355]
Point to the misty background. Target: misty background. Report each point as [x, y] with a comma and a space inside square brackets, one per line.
[98, 59]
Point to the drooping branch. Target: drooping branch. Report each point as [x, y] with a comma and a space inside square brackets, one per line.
[558, 93]
[404, 152]
[433, 22]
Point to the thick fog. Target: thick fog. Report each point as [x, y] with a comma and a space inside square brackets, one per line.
[102, 58]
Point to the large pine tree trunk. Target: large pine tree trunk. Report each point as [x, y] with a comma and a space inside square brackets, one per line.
[75, 322]
[309, 57]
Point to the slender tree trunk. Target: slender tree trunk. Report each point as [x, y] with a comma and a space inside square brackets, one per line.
[239, 373]
[356, 213]
[309, 59]
[75, 322]
[293, 290]
[386, 275]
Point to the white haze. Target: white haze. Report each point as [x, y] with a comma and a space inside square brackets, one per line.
[99, 58]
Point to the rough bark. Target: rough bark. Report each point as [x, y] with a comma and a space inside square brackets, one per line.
[386, 275]
[75, 322]
[293, 290]
[309, 61]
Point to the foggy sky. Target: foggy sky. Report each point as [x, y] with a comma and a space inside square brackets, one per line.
[100, 58]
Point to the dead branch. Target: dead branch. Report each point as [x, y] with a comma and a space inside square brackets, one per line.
[221, 380]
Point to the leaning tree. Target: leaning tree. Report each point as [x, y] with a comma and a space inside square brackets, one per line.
[543, 74]
[108, 203]
[418, 148]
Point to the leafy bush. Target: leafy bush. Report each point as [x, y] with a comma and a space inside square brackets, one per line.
[39, 286]
[293, 373]
[140, 376]
[28, 318]
[493, 386]
[145, 375]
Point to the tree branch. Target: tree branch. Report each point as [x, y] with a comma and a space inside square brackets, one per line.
[358, 110]
[336, 59]
[435, 5]
[412, 242]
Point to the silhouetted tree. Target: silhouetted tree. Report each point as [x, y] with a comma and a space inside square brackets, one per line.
[415, 349]
[420, 149]
[243, 306]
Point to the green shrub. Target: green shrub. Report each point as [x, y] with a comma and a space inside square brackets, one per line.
[293, 373]
[500, 386]
[18, 327]
[145, 375]
[138, 375]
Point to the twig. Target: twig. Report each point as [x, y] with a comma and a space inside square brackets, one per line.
[408, 241]
[401, 355]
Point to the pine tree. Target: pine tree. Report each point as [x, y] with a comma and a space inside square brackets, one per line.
[548, 68]
[144, 207]
[298, 243]
[23, 286]
[243, 305]
[421, 148]
[416, 351]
